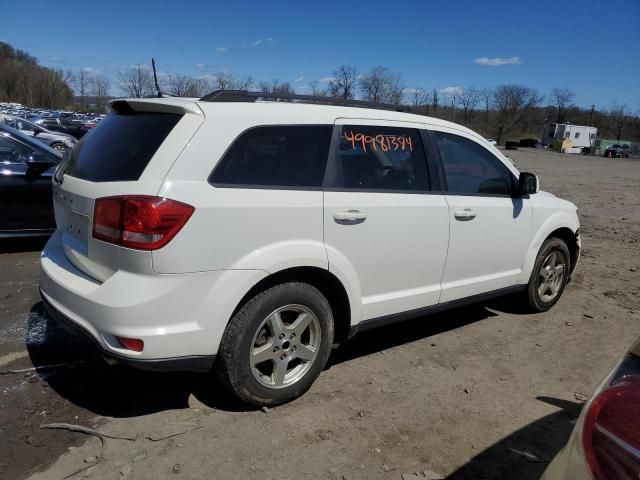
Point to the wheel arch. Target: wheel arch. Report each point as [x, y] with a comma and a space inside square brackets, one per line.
[570, 238]
[325, 281]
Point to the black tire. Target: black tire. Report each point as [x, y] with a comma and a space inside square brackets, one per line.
[233, 364]
[536, 301]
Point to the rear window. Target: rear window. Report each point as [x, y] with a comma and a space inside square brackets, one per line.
[119, 149]
[290, 156]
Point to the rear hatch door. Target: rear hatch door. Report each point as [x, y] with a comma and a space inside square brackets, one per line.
[128, 153]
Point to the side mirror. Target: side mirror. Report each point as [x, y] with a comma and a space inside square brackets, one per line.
[36, 159]
[528, 184]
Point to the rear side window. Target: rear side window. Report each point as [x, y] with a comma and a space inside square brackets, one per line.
[276, 156]
[377, 158]
[119, 149]
[472, 169]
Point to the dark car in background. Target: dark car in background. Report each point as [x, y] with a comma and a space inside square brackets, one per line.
[64, 125]
[617, 151]
[26, 168]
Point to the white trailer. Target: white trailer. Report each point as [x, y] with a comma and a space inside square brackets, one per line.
[580, 135]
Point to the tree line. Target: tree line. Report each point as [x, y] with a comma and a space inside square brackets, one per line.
[24, 81]
[504, 112]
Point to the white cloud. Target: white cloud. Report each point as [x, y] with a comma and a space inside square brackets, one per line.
[208, 77]
[304, 89]
[452, 91]
[300, 78]
[199, 65]
[221, 49]
[326, 79]
[493, 62]
[262, 40]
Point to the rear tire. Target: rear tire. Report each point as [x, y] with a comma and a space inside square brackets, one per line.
[276, 345]
[549, 276]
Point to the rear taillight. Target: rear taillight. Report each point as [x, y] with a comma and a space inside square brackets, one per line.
[611, 429]
[139, 221]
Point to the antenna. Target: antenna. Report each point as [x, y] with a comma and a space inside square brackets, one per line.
[155, 78]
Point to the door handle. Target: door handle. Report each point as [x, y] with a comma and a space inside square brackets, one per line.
[350, 217]
[466, 214]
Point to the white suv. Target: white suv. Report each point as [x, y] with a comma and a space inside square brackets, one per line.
[252, 234]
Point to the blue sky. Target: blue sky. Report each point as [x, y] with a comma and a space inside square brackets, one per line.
[433, 44]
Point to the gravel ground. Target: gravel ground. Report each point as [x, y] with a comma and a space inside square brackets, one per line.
[481, 392]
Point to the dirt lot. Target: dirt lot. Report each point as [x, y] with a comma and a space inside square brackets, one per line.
[481, 392]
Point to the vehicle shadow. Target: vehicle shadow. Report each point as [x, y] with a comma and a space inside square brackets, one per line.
[526, 453]
[389, 336]
[27, 244]
[120, 391]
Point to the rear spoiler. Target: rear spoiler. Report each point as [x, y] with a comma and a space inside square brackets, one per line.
[153, 105]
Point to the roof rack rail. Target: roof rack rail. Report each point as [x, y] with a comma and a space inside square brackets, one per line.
[246, 96]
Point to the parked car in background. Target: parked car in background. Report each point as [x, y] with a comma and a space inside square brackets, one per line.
[56, 140]
[26, 168]
[254, 235]
[605, 442]
[617, 151]
[63, 125]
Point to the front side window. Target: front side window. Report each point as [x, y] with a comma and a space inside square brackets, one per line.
[377, 158]
[290, 156]
[576, 135]
[12, 151]
[470, 168]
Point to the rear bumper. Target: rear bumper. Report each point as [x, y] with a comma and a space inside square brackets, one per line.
[180, 317]
[197, 363]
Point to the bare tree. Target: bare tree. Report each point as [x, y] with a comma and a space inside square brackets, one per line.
[434, 100]
[374, 85]
[226, 81]
[83, 82]
[100, 90]
[562, 98]
[395, 89]
[277, 88]
[512, 102]
[245, 83]
[315, 91]
[201, 87]
[419, 97]
[181, 86]
[343, 83]
[381, 86]
[468, 100]
[618, 119]
[136, 81]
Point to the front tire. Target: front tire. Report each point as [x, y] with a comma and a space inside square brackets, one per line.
[276, 345]
[550, 275]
